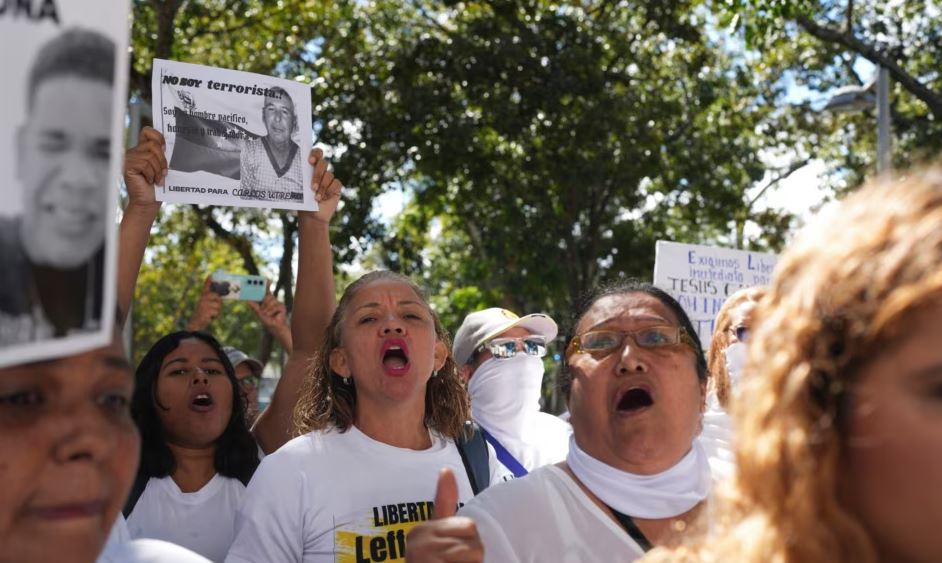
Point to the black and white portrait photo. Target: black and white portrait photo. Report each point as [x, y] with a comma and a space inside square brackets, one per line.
[233, 138]
[271, 164]
[61, 189]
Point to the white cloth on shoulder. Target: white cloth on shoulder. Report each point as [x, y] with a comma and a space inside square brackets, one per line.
[546, 516]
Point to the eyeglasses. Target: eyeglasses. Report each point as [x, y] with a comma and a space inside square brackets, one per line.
[249, 382]
[506, 348]
[648, 337]
[741, 332]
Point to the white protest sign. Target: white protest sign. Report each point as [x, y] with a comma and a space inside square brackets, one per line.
[233, 138]
[702, 277]
[64, 98]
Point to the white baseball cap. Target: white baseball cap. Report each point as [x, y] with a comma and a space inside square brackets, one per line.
[237, 357]
[481, 326]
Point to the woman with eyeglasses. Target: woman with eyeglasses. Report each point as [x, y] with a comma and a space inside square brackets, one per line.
[725, 361]
[383, 410]
[635, 381]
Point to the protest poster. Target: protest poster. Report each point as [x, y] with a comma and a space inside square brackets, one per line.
[700, 278]
[64, 68]
[233, 138]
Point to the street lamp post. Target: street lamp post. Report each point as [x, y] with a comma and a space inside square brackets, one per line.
[857, 98]
[884, 139]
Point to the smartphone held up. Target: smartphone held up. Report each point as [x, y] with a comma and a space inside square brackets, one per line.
[238, 286]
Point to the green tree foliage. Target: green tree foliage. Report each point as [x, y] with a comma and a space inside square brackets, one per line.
[549, 145]
[251, 35]
[542, 146]
[179, 257]
[819, 42]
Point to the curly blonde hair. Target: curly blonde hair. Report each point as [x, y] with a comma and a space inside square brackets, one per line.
[840, 294]
[327, 402]
[716, 358]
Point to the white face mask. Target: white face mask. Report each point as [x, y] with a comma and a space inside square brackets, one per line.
[735, 362]
[504, 393]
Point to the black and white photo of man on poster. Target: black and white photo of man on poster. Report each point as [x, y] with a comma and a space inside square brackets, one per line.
[272, 162]
[233, 138]
[62, 139]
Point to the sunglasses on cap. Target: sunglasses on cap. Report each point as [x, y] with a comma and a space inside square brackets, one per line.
[506, 348]
[596, 341]
[249, 381]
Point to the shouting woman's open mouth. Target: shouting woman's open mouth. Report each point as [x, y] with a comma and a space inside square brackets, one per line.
[395, 357]
[201, 401]
[634, 400]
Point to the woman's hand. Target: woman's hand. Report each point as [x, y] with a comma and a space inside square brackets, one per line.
[446, 537]
[274, 317]
[326, 188]
[144, 166]
[207, 308]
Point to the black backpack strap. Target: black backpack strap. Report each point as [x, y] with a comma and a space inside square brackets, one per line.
[474, 455]
[633, 530]
[140, 483]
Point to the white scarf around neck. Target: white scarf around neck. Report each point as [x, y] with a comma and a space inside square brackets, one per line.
[663, 495]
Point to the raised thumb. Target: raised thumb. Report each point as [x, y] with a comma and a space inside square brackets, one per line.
[446, 495]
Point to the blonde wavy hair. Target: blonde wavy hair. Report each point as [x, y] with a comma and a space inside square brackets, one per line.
[716, 358]
[327, 402]
[840, 295]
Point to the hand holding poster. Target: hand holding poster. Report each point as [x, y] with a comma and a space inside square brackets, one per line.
[700, 278]
[233, 138]
[64, 67]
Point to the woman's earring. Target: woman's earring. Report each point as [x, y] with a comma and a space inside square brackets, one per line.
[346, 380]
[435, 373]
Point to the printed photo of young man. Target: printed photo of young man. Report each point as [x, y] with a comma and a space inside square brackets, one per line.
[51, 254]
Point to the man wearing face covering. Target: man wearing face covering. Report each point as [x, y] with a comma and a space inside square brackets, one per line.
[501, 358]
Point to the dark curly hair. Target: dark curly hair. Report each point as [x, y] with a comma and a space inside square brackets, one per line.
[236, 453]
[326, 402]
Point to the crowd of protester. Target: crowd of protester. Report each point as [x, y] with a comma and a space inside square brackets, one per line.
[810, 431]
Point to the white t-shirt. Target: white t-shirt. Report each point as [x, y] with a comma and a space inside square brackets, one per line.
[545, 516]
[119, 531]
[332, 496]
[202, 521]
